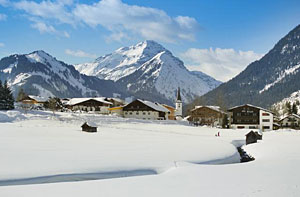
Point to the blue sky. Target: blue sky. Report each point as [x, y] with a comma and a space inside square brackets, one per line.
[210, 36]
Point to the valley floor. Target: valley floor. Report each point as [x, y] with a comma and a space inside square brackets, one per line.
[128, 157]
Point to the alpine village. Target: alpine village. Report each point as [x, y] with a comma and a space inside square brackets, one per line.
[149, 108]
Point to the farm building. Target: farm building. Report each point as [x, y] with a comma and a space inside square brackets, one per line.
[207, 115]
[290, 121]
[98, 105]
[251, 117]
[146, 110]
[252, 137]
[88, 127]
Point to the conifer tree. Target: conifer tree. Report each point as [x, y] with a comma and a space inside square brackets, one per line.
[8, 99]
[294, 108]
[2, 97]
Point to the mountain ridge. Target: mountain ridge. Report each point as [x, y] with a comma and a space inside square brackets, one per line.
[265, 81]
[147, 67]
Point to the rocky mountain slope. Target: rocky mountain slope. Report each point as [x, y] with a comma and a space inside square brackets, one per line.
[148, 70]
[266, 81]
[39, 73]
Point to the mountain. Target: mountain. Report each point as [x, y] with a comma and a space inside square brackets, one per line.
[266, 81]
[39, 73]
[148, 70]
[281, 106]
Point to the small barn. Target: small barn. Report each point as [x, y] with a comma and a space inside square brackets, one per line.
[251, 137]
[89, 127]
[259, 136]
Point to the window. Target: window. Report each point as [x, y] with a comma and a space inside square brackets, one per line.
[240, 127]
[126, 113]
[266, 127]
[144, 113]
[130, 113]
[266, 120]
[148, 113]
[137, 113]
[252, 127]
[265, 114]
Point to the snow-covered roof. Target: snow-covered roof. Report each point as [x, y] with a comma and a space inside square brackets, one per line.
[117, 100]
[75, 101]
[155, 106]
[215, 108]
[295, 115]
[251, 106]
[38, 98]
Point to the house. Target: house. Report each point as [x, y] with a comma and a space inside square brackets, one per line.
[34, 100]
[250, 117]
[88, 127]
[252, 137]
[207, 115]
[290, 121]
[98, 105]
[146, 110]
[171, 115]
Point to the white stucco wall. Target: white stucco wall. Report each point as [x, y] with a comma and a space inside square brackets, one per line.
[265, 117]
[145, 115]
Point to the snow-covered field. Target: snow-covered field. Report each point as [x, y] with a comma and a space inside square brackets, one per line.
[128, 157]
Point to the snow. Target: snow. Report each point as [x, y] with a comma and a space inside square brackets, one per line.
[290, 71]
[38, 98]
[172, 158]
[75, 101]
[156, 67]
[155, 106]
[43, 92]
[292, 98]
[122, 62]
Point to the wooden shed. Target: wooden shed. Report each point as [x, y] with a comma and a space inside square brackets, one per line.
[251, 137]
[88, 128]
[259, 136]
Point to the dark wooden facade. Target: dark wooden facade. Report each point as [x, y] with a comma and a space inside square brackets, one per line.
[87, 128]
[140, 106]
[91, 103]
[206, 116]
[246, 115]
[251, 137]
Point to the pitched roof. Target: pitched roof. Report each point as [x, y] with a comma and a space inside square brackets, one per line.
[178, 95]
[215, 108]
[295, 115]
[38, 98]
[75, 101]
[250, 106]
[155, 106]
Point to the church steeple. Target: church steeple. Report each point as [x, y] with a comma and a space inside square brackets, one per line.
[178, 105]
[178, 94]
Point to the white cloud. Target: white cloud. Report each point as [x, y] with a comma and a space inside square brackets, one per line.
[120, 19]
[80, 53]
[2, 17]
[222, 64]
[44, 28]
[46, 10]
[2, 44]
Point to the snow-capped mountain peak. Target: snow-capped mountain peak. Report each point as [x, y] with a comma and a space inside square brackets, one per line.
[150, 68]
[39, 73]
